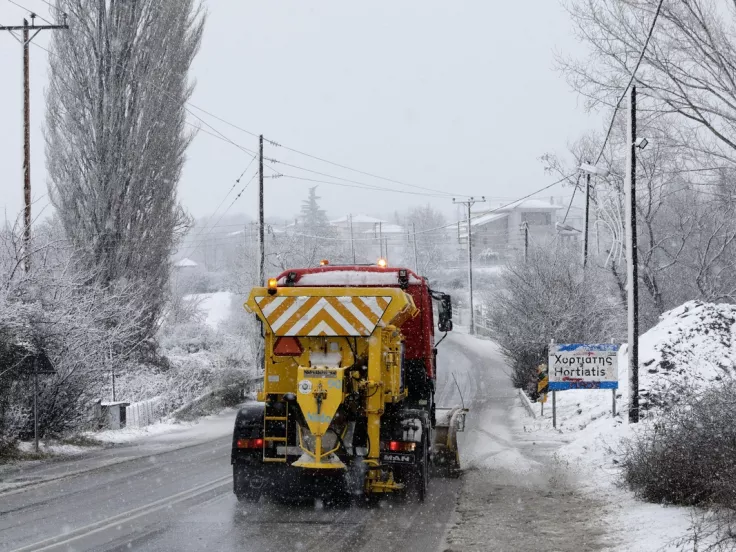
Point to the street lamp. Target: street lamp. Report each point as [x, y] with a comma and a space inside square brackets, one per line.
[596, 169]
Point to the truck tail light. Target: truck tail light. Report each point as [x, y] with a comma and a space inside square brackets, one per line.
[398, 446]
[250, 443]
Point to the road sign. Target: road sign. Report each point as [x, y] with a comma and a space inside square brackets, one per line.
[583, 366]
[542, 383]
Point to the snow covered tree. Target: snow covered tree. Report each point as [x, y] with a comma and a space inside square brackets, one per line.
[550, 296]
[687, 68]
[59, 308]
[313, 217]
[309, 240]
[432, 239]
[116, 138]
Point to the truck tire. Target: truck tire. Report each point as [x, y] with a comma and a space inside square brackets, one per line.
[418, 477]
[244, 491]
[422, 475]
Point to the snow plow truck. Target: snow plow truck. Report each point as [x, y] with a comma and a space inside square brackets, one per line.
[348, 400]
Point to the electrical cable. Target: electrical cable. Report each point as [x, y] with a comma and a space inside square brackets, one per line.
[485, 213]
[31, 12]
[631, 80]
[365, 173]
[373, 186]
[575, 189]
[194, 247]
[344, 185]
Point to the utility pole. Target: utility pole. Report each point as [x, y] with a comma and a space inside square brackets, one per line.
[587, 219]
[35, 403]
[112, 369]
[260, 354]
[380, 238]
[525, 226]
[416, 258]
[631, 265]
[27, 123]
[261, 237]
[469, 203]
[352, 240]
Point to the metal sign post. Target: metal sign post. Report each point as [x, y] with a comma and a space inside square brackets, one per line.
[45, 368]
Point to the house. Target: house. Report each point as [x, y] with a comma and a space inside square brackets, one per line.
[360, 225]
[499, 231]
[185, 263]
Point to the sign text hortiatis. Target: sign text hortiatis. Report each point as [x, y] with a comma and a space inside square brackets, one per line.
[583, 366]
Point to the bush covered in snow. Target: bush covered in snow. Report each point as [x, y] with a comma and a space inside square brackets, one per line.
[549, 296]
[688, 454]
[55, 307]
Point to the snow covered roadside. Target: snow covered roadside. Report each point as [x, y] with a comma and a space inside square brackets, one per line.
[691, 347]
[514, 495]
[215, 307]
[116, 446]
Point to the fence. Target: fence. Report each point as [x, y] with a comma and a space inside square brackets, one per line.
[144, 413]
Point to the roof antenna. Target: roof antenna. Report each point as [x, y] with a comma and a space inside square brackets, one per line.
[458, 390]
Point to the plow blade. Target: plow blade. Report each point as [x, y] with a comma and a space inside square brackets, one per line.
[445, 453]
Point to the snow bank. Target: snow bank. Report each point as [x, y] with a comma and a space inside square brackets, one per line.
[691, 347]
[203, 429]
[216, 306]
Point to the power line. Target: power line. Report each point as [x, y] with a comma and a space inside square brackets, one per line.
[575, 189]
[373, 186]
[365, 173]
[485, 213]
[224, 121]
[50, 5]
[251, 152]
[33, 13]
[194, 247]
[437, 193]
[633, 75]
[344, 185]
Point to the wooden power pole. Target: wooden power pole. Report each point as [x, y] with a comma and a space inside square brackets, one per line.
[469, 203]
[25, 42]
[261, 223]
[632, 262]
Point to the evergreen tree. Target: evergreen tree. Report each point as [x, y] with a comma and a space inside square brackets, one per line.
[314, 218]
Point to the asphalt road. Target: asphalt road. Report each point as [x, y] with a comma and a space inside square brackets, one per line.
[182, 500]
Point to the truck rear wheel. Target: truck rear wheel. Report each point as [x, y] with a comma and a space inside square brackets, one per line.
[245, 489]
[417, 479]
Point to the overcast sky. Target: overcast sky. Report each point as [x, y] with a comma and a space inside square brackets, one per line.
[455, 96]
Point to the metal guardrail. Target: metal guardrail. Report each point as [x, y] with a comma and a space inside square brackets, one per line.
[527, 403]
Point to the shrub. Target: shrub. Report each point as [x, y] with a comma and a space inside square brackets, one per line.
[549, 296]
[687, 456]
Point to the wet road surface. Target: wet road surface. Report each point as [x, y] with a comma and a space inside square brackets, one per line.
[182, 500]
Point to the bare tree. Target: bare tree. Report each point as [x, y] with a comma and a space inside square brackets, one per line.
[116, 135]
[687, 69]
[431, 239]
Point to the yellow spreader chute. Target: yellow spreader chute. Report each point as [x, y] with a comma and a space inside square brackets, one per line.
[320, 393]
